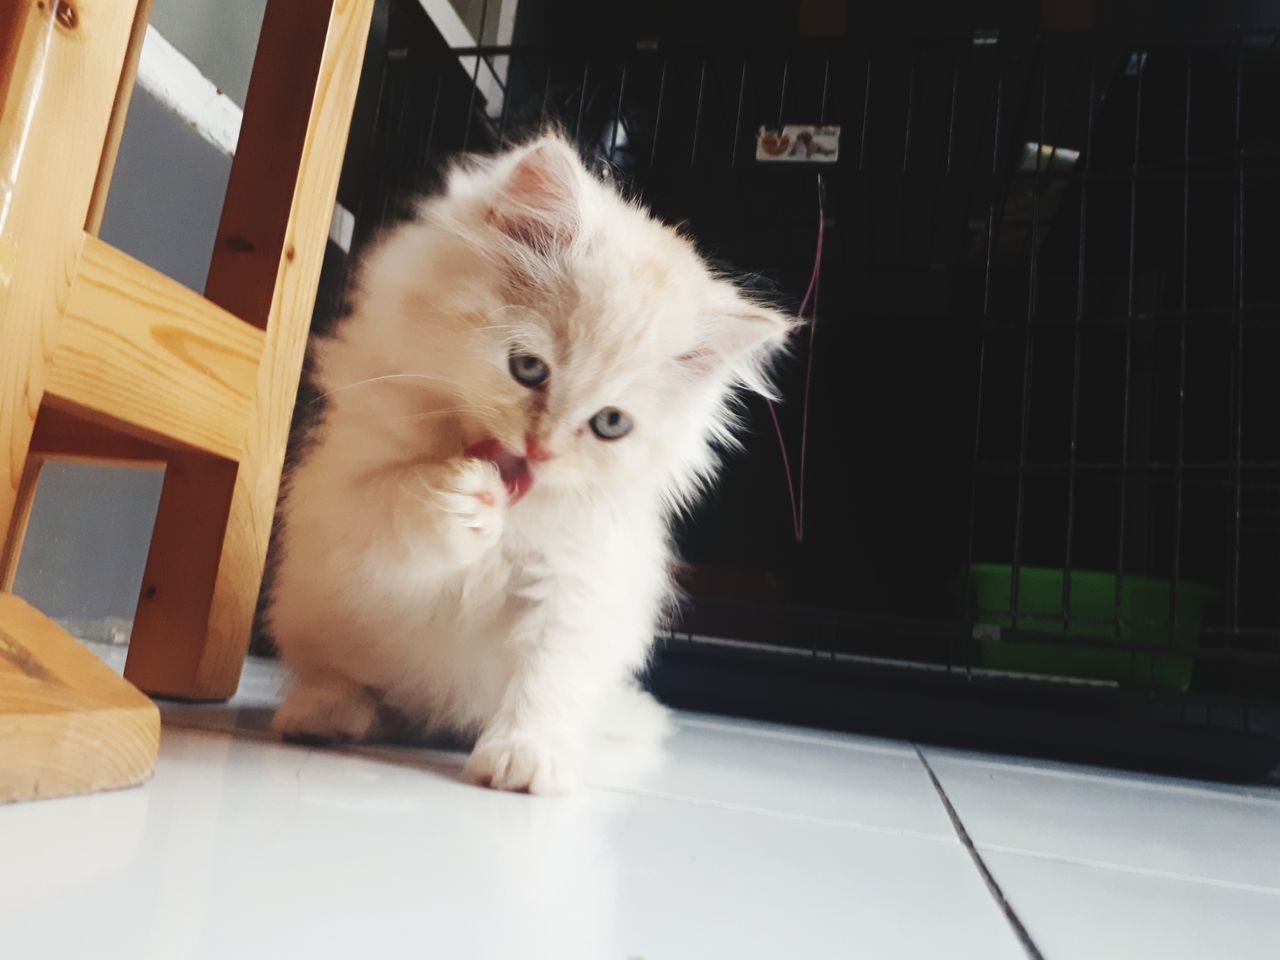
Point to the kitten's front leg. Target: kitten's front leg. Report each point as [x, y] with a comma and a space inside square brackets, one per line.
[534, 742]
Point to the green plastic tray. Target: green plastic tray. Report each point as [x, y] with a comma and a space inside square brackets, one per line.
[1143, 618]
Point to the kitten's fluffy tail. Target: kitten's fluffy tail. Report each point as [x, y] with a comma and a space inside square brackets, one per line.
[629, 713]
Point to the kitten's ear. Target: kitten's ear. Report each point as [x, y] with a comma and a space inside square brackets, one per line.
[735, 340]
[538, 203]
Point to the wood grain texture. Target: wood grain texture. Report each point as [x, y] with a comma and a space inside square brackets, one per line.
[57, 86]
[146, 351]
[266, 267]
[68, 724]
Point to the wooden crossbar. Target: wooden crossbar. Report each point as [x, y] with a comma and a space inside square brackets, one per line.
[147, 352]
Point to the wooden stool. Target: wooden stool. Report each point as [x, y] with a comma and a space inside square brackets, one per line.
[104, 358]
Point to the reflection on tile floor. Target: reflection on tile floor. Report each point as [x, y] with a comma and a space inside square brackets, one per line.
[741, 840]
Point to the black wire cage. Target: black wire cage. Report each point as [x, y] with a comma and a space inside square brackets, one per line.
[1041, 455]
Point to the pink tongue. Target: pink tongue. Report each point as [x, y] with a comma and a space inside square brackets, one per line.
[513, 467]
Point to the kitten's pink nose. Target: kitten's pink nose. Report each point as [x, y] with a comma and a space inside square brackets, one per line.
[535, 451]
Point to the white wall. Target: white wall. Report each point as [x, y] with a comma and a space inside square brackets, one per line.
[218, 36]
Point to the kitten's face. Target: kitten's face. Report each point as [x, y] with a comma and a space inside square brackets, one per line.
[570, 326]
[586, 377]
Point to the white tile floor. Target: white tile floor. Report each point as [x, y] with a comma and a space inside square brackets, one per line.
[742, 840]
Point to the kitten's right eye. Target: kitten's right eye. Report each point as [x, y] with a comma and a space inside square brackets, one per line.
[528, 369]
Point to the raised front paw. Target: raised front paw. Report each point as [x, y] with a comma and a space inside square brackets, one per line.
[473, 501]
[525, 763]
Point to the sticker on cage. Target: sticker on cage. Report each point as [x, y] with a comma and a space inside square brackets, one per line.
[798, 143]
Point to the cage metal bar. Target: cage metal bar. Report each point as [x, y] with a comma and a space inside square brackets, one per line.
[1256, 317]
[582, 99]
[906, 153]
[737, 122]
[855, 626]
[546, 95]
[1237, 298]
[1181, 438]
[404, 153]
[826, 79]
[395, 141]
[951, 119]
[866, 119]
[512, 64]
[1028, 355]
[618, 111]
[1153, 172]
[991, 211]
[782, 92]
[471, 102]
[876, 626]
[1114, 466]
[657, 114]
[697, 115]
[864, 146]
[1128, 357]
[431, 126]
[1150, 175]
[982, 333]
[381, 135]
[911, 98]
[1073, 451]
[376, 127]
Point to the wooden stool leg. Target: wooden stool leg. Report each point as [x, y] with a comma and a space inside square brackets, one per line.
[68, 724]
[265, 270]
[11, 546]
[171, 625]
[54, 117]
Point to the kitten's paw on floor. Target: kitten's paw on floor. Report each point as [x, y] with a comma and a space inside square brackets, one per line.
[524, 763]
[326, 712]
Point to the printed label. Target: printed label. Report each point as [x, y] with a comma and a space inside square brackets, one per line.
[798, 143]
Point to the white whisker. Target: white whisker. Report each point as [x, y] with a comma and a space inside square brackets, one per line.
[463, 408]
[389, 376]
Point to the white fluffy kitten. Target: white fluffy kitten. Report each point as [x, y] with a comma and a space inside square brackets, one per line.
[528, 388]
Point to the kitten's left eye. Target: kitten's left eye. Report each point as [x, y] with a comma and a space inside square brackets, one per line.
[610, 424]
[529, 370]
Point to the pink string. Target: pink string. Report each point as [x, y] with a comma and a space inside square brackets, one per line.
[797, 498]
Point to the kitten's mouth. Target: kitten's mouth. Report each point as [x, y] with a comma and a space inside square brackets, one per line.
[513, 467]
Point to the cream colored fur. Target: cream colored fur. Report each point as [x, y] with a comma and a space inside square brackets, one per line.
[408, 586]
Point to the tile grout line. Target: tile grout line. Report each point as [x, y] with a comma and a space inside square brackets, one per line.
[797, 817]
[1243, 793]
[1155, 874]
[1019, 930]
[699, 722]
